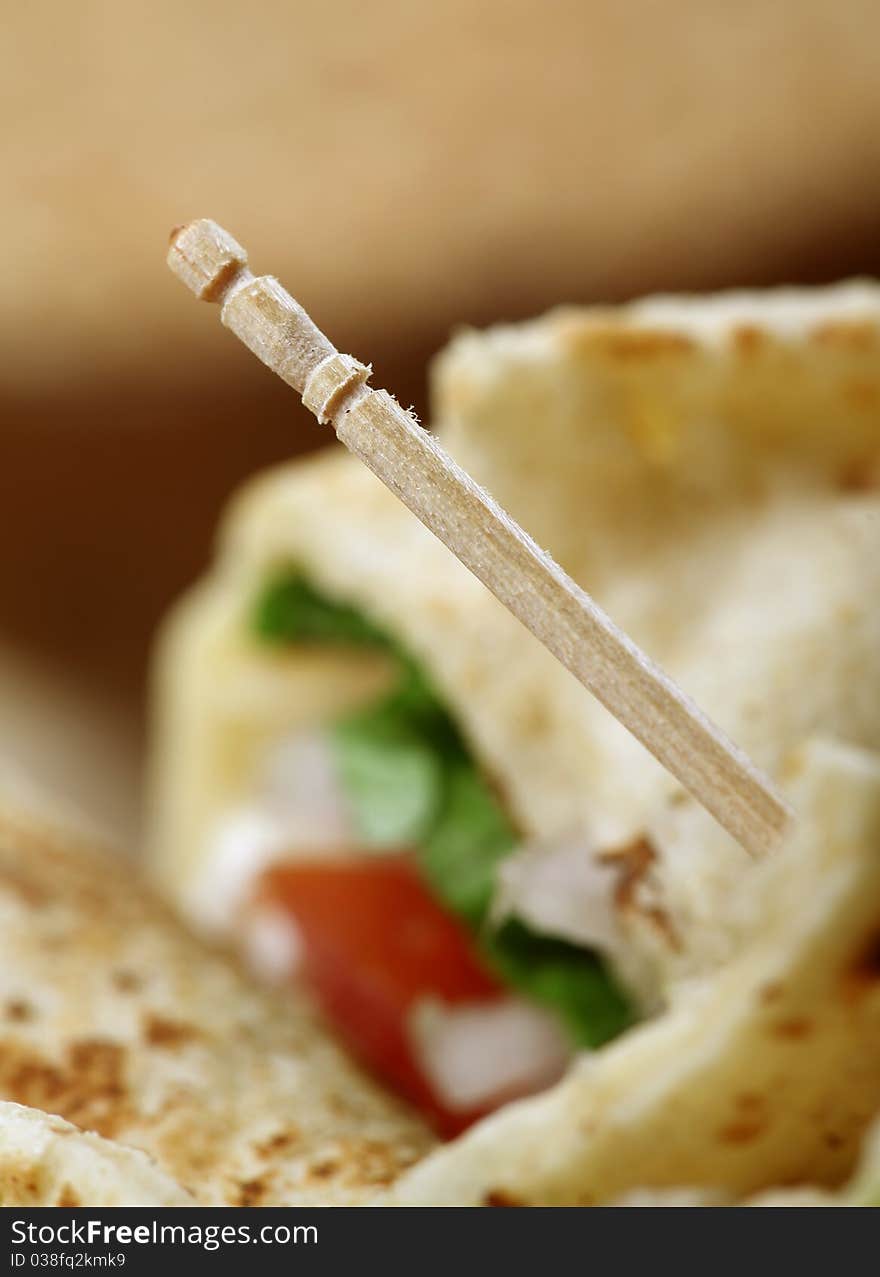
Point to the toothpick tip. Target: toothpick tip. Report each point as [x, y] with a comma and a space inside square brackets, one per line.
[206, 258]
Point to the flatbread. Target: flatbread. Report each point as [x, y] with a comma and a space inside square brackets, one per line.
[765, 1073]
[113, 1017]
[45, 1161]
[706, 468]
[863, 1189]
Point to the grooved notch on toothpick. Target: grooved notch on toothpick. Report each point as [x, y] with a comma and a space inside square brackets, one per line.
[206, 258]
[483, 536]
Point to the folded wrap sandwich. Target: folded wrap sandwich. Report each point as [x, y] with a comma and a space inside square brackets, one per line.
[372, 774]
[765, 1072]
[202, 1086]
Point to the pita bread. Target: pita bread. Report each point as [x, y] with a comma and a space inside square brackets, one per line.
[45, 1161]
[766, 1072]
[113, 1017]
[706, 468]
[862, 1190]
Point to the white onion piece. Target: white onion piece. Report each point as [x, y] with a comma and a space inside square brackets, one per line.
[479, 1052]
[300, 788]
[297, 810]
[246, 842]
[561, 889]
[272, 942]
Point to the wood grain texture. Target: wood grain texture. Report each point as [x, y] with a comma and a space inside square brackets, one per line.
[390, 441]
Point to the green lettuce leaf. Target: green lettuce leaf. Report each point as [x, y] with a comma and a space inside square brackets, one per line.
[290, 610]
[461, 851]
[392, 777]
[411, 782]
[574, 982]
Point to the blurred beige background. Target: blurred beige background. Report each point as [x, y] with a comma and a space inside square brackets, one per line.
[405, 167]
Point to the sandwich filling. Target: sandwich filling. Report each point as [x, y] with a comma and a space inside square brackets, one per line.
[401, 902]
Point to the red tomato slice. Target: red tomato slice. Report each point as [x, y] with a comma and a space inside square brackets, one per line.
[375, 942]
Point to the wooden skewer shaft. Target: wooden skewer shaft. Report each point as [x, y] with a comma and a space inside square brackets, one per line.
[466, 519]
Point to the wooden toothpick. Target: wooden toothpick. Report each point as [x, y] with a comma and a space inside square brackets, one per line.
[518, 572]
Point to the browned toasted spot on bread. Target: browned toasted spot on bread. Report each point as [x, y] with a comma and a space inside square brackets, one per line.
[500, 1197]
[750, 1101]
[87, 1087]
[277, 1143]
[633, 343]
[16, 879]
[18, 1010]
[125, 981]
[368, 1161]
[742, 1130]
[748, 339]
[863, 973]
[847, 334]
[632, 864]
[20, 1184]
[252, 1192]
[794, 1028]
[861, 474]
[160, 1030]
